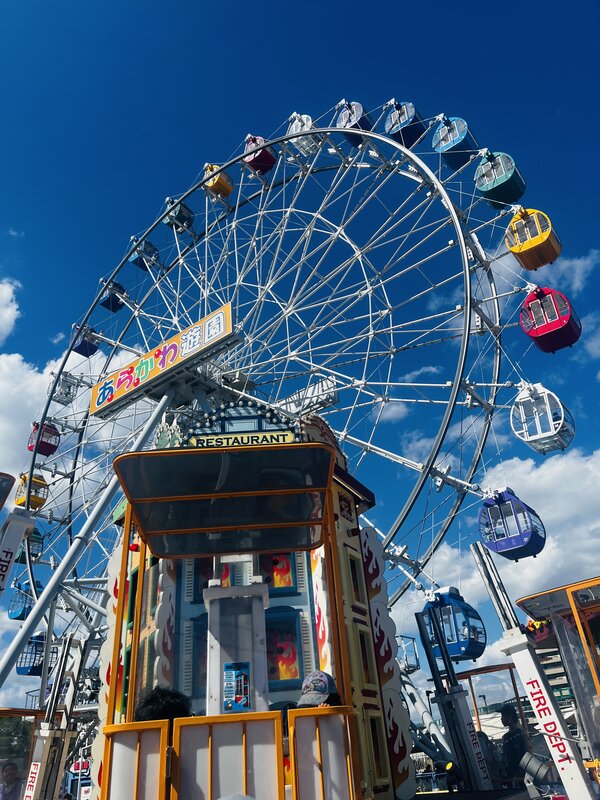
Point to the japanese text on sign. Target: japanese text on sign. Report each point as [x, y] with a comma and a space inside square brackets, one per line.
[136, 377]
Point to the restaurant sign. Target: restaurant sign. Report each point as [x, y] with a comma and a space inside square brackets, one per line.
[148, 372]
[242, 439]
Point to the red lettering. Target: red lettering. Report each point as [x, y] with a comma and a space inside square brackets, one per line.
[550, 727]
[544, 712]
[534, 683]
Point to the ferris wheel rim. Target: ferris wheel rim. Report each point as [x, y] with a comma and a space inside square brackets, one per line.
[370, 136]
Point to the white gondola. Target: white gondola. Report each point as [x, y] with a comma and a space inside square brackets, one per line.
[305, 144]
[540, 420]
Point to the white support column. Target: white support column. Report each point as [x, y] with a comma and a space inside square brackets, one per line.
[563, 750]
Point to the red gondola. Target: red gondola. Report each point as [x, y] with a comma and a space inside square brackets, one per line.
[548, 318]
[49, 439]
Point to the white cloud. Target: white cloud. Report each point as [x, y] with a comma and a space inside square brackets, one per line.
[23, 390]
[409, 377]
[16, 234]
[9, 308]
[571, 274]
[394, 411]
[58, 338]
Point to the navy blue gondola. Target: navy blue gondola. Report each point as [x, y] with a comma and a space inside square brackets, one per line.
[404, 124]
[509, 527]
[462, 627]
[110, 298]
[84, 342]
[31, 659]
[454, 142]
[353, 116]
[145, 254]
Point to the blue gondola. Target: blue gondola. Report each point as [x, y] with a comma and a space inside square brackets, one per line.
[84, 342]
[404, 124]
[145, 254]
[179, 216]
[353, 116]
[22, 600]
[509, 527]
[31, 659]
[454, 142]
[110, 298]
[461, 625]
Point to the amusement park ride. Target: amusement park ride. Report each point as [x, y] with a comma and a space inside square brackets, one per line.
[193, 512]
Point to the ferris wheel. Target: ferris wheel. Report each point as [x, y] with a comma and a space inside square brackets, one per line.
[358, 252]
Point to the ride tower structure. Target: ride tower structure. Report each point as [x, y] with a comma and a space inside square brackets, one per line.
[215, 603]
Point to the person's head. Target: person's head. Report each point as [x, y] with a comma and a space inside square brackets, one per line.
[317, 688]
[10, 773]
[161, 703]
[508, 715]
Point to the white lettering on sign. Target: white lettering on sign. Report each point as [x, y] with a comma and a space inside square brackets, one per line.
[32, 779]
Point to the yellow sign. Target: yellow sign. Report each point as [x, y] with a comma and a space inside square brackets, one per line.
[242, 439]
[140, 375]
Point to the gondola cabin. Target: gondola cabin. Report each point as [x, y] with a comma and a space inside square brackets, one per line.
[454, 142]
[261, 161]
[531, 238]
[38, 494]
[49, 439]
[549, 320]
[509, 527]
[112, 297]
[499, 180]
[22, 600]
[35, 542]
[84, 342]
[219, 184]
[540, 420]
[353, 117]
[31, 659]
[404, 124]
[306, 144]
[462, 627]
[7, 482]
[145, 255]
[179, 217]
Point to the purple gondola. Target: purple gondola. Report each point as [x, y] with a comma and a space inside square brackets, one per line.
[509, 527]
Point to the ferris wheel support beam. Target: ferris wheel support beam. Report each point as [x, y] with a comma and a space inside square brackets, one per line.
[75, 551]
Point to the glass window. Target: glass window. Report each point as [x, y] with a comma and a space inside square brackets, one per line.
[448, 626]
[366, 655]
[549, 309]
[561, 304]
[543, 222]
[379, 747]
[246, 424]
[532, 226]
[498, 524]
[357, 580]
[520, 230]
[510, 522]
[537, 313]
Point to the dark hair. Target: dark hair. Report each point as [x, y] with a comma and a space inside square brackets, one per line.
[509, 711]
[162, 703]
[9, 764]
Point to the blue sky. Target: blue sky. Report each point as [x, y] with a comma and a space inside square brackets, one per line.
[110, 108]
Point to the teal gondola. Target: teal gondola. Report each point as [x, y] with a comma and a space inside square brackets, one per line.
[463, 629]
[499, 180]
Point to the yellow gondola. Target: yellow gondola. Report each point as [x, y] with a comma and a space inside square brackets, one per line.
[220, 185]
[38, 495]
[532, 239]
